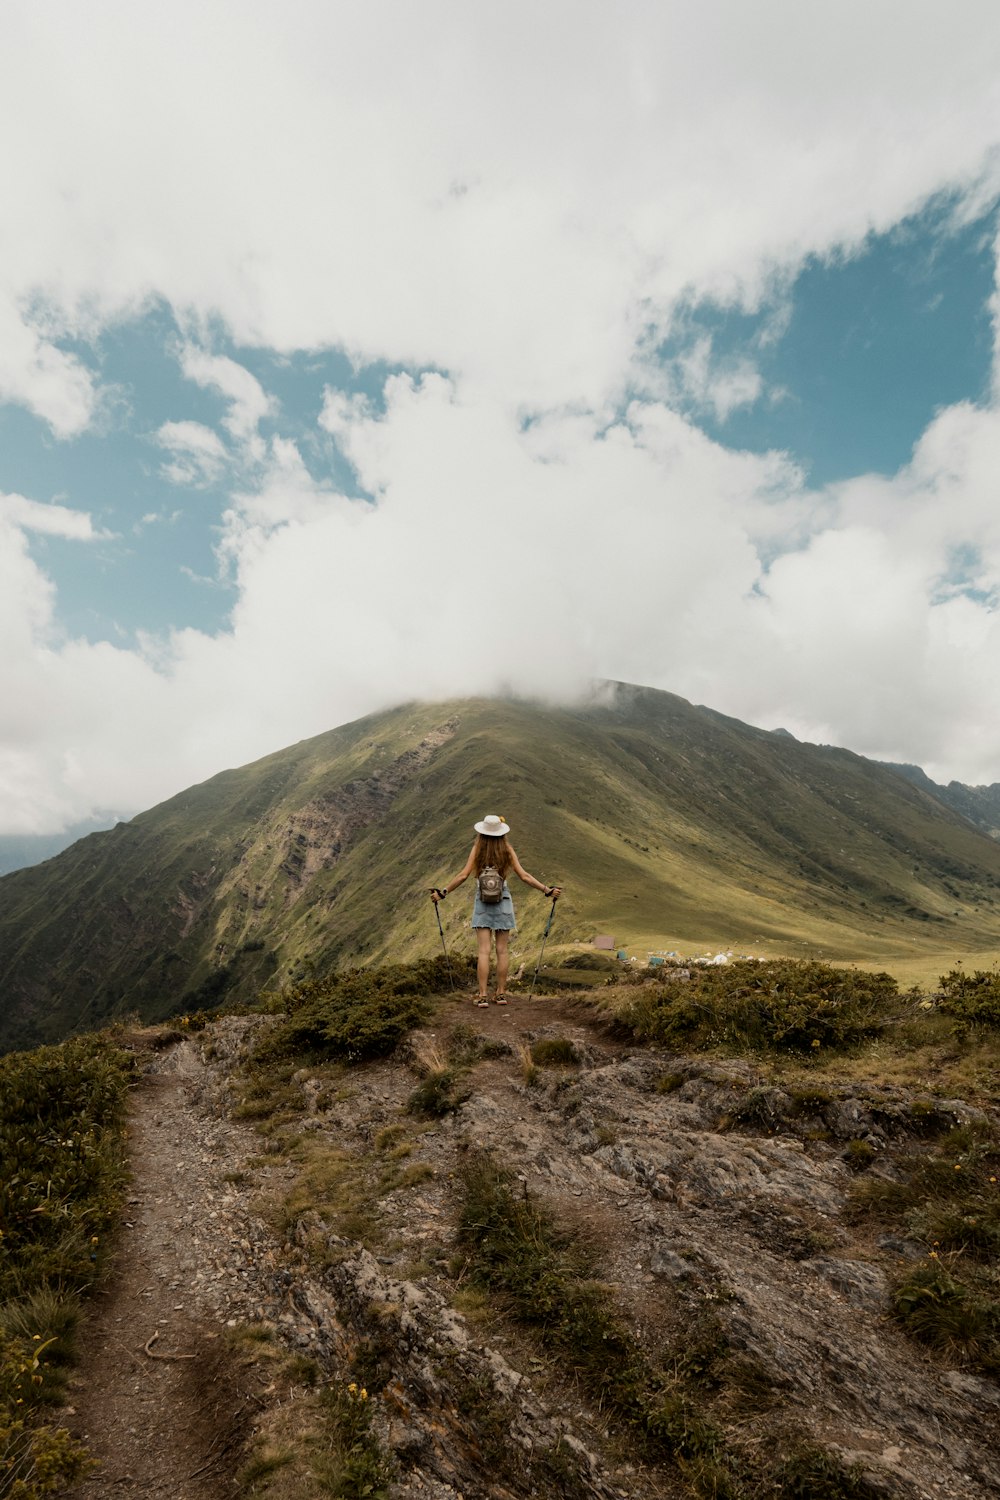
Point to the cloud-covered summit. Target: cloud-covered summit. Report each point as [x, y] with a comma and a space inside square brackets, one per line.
[424, 277]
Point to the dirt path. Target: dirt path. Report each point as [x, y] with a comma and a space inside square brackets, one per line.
[157, 1397]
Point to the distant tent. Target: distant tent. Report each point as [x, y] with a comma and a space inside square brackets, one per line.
[607, 943]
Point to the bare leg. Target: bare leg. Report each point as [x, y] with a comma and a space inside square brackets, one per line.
[503, 962]
[483, 960]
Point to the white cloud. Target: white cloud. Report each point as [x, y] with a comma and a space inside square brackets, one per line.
[305, 190]
[36, 374]
[708, 383]
[198, 456]
[629, 551]
[524, 218]
[48, 519]
[249, 402]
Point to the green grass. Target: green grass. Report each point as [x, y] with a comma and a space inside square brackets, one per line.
[62, 1172]
[947, 1197]
[945, 1313]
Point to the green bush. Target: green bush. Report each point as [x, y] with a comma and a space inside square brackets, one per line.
[38, 1460]
[780, 1005]
[62, 1162]
[62, 1171]
[357, 1014]
[973, 999]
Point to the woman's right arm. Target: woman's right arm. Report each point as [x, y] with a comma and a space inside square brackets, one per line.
[452, 885]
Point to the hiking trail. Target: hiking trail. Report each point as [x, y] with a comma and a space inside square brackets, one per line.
[688, 1211]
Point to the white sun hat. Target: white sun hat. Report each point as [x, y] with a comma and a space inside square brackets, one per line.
[492, 826]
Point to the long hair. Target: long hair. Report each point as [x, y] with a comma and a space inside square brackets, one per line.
[490, 850]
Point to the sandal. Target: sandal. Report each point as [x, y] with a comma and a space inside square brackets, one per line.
[500, 999]
[483, 1001]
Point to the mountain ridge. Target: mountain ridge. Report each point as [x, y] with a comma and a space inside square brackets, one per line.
[668, 823]
[980, 804]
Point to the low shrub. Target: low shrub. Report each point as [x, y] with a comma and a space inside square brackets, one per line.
[356, 1466]
[439, 1093]
[62, 1172]
[37, 1460]
[781, 1005]
[62, 1163]
[859, 1154]
[815, 1474]
[555, 1052]
[354, 1015]
[972, 999]
[810, 1101]
[466, 1046]
[761, 1106]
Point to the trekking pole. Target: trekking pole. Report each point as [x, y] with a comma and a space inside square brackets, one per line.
[544, 936]
[437, 913]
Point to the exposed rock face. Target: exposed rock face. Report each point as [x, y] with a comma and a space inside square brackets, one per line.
[690, 1214]
[318, 834]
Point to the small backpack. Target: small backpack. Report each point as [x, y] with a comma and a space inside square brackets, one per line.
[490, 886]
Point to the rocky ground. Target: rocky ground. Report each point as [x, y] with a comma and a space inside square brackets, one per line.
[693, 1216]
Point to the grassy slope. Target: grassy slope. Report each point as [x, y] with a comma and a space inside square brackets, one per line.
[670, 825]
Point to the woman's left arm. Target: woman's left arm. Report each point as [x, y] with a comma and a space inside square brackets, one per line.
[522, 874]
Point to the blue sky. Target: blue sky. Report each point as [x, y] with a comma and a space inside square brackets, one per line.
[855, 354]
[877, 340]
[155, 568]
[317, 328]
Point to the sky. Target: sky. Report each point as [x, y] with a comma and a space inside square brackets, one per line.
[356, 354]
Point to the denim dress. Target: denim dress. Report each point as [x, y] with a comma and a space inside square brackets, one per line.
[499, 915]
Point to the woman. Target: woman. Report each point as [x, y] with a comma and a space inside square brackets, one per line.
[492, 849]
